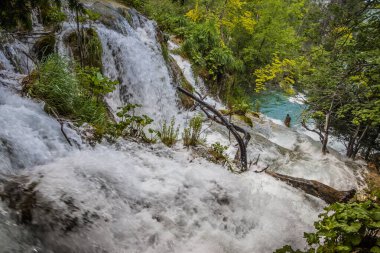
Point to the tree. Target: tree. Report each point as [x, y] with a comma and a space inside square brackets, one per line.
[342, 83]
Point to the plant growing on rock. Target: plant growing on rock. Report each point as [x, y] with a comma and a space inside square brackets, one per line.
[92, 80]
[130, 124]
[58, 86]
[168, 133]
[217, 151]
[192, 135]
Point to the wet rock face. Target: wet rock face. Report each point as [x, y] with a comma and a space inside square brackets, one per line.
[29, 208]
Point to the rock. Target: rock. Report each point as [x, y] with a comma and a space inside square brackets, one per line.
[44, 46]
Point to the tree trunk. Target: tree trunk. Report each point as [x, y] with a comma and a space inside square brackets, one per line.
[315, 188]
[326, 134]
[327, 128]
[359, 143]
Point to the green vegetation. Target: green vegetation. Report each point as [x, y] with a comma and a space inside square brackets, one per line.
[168, 133]
[217, 151]
[89, 50]
[67, 95]
[351, 227]
[228, 40]
[192, 135]
[44, 46]
[94, 82]
[329, 51]
[17, 14]
[132, 125]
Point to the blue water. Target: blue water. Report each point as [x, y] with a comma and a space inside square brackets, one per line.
[276, 105]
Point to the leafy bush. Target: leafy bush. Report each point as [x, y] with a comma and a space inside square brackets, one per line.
[60, 88]
[93, 81]
[57, 85]
[192, 135]
[168, 133]
[218, 152]
[352, 227]
[130, 124]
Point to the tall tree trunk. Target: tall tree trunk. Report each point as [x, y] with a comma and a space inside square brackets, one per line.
[351, 144]
[359, 143]
[327, 128]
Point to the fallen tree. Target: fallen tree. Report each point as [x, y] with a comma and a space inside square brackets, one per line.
[217, 116]
[315, 188]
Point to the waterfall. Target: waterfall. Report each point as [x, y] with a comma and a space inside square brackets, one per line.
[131, 197]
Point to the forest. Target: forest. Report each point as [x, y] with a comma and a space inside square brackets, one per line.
[143, 126]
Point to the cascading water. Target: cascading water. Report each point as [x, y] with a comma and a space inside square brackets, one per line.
[129, 197]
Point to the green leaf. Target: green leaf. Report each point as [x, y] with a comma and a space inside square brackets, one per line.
[375, 249]
[343, 248]
[353, 228]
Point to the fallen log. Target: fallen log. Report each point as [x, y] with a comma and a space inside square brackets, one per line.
[315, 188]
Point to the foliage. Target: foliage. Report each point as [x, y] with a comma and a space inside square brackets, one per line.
[227, 40]
[343, 75]
[217, 150]
[131, 124]
[94, 82]
[17, 14]
[44, 46]
[168, 133]
[278, 71]
[192, 135]
[90, 49]
[58, 86]
[351, 227]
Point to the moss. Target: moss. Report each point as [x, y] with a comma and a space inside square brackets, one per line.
[44, 46]
[29, 80]
[245, 119]
[92, 48]
[253, 114]
[186, 101]
[126, 14]
[225, 111]
[373, 181]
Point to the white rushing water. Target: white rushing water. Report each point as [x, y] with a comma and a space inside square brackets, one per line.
[130, 197]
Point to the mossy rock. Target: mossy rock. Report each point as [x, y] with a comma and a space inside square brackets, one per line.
[29, 80]
[186, 102]
[245, 119]
[44, 46]
[253, 114]
[92, 48]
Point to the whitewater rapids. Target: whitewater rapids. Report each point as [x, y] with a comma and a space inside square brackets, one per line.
[131, 197]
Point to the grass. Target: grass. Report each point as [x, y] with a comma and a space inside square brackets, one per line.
[58, 86]
[192, 135]
[169, 133]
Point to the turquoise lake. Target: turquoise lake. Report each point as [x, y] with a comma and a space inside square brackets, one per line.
[276, 105]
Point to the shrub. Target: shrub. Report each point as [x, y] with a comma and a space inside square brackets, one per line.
[351, 227]
[130, 124]
[168, 133]
[94, 82]
[217, 150]
[192, 135]
[59, 87]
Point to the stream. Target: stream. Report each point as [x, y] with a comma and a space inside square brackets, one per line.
[133, 197]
